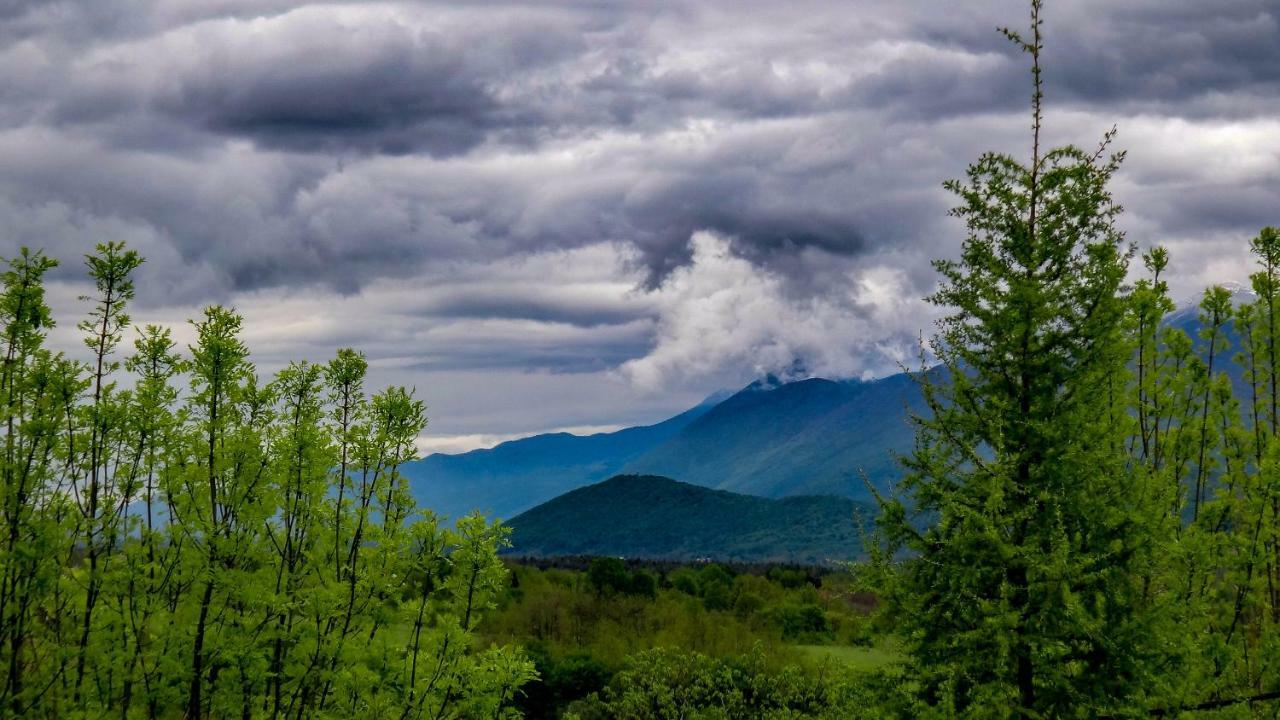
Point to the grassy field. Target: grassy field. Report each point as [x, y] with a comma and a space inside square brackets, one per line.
[858, 658]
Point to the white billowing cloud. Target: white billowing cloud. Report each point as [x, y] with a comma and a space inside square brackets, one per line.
[721, 312]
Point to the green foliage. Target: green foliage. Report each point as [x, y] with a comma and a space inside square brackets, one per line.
[1023, 598]
[715, 587]
[1091, 511]
[560, 683]
[685, 580]
[580, 637]
[610, 576]
[663, 683]
[238, 548]
[802, 623]
[789, 578]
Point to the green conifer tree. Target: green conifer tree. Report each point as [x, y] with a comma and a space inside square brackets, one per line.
[1021, 597]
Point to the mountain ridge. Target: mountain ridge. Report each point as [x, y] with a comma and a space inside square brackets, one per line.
[771, 438]
[516, 475]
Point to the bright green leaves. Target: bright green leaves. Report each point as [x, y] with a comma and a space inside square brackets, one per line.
[232, 548]
[111, 267]
[38, 396]
[22, 307]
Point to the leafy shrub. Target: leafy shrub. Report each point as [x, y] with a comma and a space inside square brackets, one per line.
[665, 683]
[609, 576]
[642, 584]
[685, 580]
[800, 623]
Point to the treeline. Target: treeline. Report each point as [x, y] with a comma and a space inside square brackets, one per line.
[793, 573]
[181, 538]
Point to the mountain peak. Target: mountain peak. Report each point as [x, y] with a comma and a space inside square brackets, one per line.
[766, 383]
[1240, 293]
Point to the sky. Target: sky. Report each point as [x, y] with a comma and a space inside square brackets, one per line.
[581, 216]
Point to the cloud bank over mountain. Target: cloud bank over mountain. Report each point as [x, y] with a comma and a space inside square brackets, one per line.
[542, 214]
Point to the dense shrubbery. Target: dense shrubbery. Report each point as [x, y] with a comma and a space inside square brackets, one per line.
[582, 627]
[237, 548]
[665, 683]
[610, 576]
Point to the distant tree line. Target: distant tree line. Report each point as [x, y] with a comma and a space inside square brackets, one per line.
[180, 538]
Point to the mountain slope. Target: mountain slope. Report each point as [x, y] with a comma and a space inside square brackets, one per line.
[808, 437]
[659, 518]
[772, 439]
[519, 474]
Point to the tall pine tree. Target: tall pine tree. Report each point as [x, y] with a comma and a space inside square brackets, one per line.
[1022, 596]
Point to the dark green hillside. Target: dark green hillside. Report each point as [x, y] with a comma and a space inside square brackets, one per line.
[646, 516]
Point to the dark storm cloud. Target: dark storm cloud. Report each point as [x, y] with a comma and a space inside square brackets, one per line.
[1176, 53]
[319, 80]
[252, 146]
[739, 202]
[1184, 57]
[389, 88]
[591, 355]
[530, 303]
[1241, 211]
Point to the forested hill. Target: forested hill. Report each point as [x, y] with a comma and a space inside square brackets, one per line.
[770, 439]
[645, 516]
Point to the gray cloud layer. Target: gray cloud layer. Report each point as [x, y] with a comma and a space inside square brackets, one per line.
[448, 159]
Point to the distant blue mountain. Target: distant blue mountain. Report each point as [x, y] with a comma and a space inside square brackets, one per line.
[772, 439]
[516, 475]
[811, 437]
